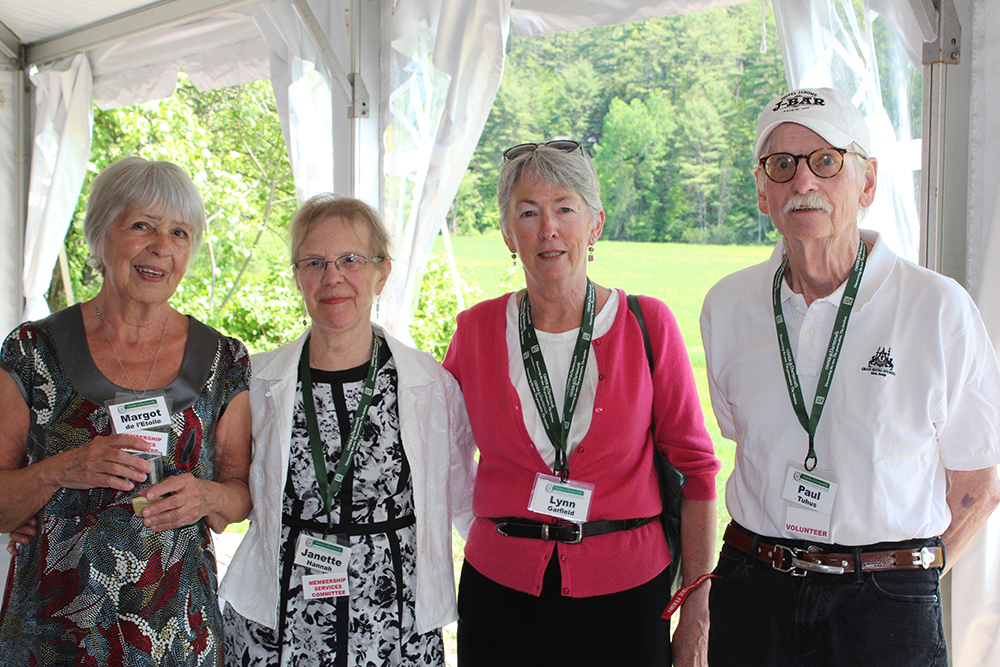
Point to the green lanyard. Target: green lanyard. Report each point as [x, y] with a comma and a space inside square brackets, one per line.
[538, 375]
[328, 491]
[809, 422]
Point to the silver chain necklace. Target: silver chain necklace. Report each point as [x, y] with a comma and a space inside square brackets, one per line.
[131, 386]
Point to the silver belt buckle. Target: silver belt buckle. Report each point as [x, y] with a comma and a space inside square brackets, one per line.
[579, 534]
[816, 567]
[800, 568]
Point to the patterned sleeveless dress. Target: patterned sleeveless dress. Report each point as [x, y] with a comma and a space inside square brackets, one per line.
[96, 587]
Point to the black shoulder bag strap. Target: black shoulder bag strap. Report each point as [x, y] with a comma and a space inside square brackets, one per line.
[672, 480]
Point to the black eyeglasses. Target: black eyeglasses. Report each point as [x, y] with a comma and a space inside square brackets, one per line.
[565, 145]
[349, 263]
[824, 162]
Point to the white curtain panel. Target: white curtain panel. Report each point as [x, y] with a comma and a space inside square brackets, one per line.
[62, 138]
[11, 211]
[215, 52]
[445, 62]
[302, 89]
[534, 17]
[826, 43]
[975, 608]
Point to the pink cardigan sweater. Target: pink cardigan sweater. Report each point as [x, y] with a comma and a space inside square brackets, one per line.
[616, 455]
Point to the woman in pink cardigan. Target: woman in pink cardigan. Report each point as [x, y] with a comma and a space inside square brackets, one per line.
[566, 560]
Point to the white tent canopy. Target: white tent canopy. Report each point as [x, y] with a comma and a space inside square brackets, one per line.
[386, 99]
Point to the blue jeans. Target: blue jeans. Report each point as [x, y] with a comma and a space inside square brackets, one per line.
[761, 616]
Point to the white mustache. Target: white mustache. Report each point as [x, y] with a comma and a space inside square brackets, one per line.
[809, 201]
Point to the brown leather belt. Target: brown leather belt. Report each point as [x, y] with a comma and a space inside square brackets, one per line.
[798, 561]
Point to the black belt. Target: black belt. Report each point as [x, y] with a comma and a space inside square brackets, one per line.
[567, 533]
[321, 527]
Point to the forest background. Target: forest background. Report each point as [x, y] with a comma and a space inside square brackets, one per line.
[666, 108]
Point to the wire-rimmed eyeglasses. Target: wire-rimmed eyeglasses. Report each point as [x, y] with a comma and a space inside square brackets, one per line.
[565, 145]
[824, 162]
[349, 263]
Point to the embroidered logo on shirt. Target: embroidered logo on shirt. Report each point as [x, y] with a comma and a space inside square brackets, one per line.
[881, 363]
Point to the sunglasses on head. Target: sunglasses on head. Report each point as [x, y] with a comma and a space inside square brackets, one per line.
[565, 145]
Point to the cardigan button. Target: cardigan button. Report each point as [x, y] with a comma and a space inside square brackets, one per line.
[579, 449]
[562, 558]
[600, 376]
[565, 591]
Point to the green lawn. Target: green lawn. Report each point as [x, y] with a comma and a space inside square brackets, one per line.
[678, 274]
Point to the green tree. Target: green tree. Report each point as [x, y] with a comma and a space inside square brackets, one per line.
[686, 88]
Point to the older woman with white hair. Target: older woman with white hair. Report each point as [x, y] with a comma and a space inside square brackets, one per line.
[125, 438]
[565, 561]
[362, 462]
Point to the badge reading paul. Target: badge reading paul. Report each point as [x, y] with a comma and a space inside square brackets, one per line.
[809, 497]
[567, 500]
[128, 417]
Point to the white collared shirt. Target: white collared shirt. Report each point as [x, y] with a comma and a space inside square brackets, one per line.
[916, 391]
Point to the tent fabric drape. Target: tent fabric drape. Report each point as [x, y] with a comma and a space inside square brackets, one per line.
[301, 83]
[11, 204]
[60, 152]
[432, 130]
[534, 17]
[215, 52]
[826, 44]
[976, 578]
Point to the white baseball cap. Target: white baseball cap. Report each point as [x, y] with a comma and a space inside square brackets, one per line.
[827, 112]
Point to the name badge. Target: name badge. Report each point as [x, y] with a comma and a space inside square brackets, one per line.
[127, 417]
[807, 525]
[157, 439]
[316, 586]
[813, 491]
[321, 555]
[567, 500]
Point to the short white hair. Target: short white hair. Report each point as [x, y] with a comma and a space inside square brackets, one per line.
[134, 181]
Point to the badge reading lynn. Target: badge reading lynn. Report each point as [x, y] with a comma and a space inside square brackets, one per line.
[567, 500]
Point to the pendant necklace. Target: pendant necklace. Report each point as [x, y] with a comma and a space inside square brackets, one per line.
[163, 333]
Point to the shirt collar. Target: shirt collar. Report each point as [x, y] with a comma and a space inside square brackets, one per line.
[877, 267]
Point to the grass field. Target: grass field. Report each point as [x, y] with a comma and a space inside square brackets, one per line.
[678, 274]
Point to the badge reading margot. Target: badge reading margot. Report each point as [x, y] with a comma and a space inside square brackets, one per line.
[567, 500]
[130, 416]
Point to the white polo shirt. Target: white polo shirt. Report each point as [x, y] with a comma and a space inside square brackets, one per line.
[916, 391]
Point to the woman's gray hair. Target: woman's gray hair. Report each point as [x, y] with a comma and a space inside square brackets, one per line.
[329, 205]
[134, 181]
[572, 170]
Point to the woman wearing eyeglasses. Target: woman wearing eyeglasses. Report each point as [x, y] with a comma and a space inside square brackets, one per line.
[362, 460]
[566, 561]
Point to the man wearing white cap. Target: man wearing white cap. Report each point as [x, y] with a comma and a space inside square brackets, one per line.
[862, 392]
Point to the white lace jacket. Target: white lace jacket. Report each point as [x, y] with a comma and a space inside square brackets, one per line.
[438, 443]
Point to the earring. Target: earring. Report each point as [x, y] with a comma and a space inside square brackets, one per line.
[378, 300]
[513, 256]
[590, 255]
[305, 316]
